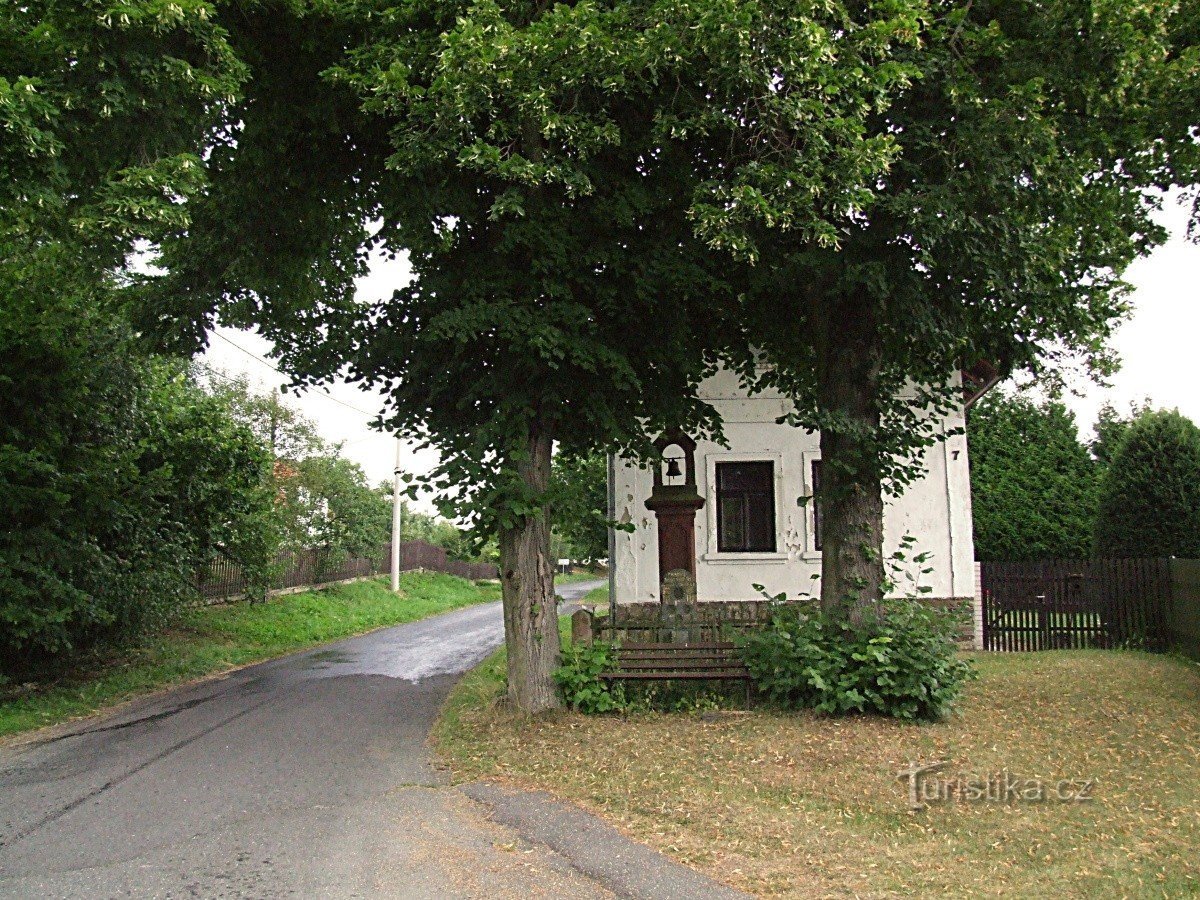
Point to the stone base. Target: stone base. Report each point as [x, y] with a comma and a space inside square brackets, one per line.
[718, 619]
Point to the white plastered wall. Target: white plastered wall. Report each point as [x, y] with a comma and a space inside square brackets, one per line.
[935, 510]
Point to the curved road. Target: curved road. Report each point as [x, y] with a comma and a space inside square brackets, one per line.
[306, 776]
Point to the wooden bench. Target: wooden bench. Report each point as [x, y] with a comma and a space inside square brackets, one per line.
[711, 660]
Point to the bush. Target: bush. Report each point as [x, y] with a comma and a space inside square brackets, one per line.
[579, 678]
[1033, 485]
[1150, 495]
[903, 663]
[119, 478]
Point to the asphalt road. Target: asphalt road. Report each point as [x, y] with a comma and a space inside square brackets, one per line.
[306, 776]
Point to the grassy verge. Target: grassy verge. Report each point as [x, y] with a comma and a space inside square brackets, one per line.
[597, 596]
[217, 638]
[578, 576]
[795, 805]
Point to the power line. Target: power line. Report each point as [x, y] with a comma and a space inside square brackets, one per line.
[214, 372]
[273, 368]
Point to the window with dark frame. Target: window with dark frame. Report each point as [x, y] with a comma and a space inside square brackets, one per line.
[746, 507]
[816, 486]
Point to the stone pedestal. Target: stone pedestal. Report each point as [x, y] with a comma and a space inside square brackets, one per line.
[678, 603]
[582, 627]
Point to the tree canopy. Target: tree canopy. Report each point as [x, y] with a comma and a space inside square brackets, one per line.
[1026, 156]
[600, 201]
[106, 111]
[542, 167]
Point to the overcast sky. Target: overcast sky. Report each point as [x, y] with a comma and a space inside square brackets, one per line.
[342, 413]
[1157, 346]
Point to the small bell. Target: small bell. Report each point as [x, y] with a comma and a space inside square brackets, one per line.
[673, 470]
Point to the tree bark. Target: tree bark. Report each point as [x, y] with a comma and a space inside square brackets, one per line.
[527, 581]
[850, 496]
[526, 570]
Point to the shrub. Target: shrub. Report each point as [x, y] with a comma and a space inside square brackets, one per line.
[119, 478]
[902, 663]
[1033, 485]
[1150, 495]
[579, 678]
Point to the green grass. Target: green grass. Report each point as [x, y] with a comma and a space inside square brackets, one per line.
[596, 596]
[214, 639]
[800, 805]
[578, 576]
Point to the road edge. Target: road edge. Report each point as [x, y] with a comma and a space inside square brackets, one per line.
[593, 847]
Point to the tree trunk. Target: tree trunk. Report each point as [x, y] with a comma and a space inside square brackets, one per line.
[527, 580]
[850, 494]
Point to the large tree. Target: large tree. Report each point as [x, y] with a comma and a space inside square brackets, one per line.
[526, 159]
[1026, 162]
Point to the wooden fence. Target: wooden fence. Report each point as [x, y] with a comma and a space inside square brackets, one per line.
[1074, 604]
[1185, 606]
[302, 568]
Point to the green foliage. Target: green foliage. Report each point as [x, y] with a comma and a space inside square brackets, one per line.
[279, 426]
[324, 500]
[579, 679]
[433, 529]
[328, 504]
[579, 486]
[419, 526]
[1033, 485]
[902, 663]
[1150, 495]
[1111, 428]
[105, 109]
[119, 477]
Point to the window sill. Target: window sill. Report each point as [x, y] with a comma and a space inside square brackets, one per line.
[745, 558]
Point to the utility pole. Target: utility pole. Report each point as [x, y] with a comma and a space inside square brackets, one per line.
[275, 424]
[396, 521]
